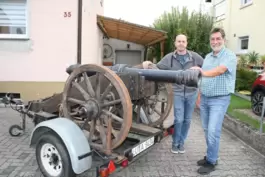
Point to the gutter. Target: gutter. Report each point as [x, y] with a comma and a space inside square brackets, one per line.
[79, 31]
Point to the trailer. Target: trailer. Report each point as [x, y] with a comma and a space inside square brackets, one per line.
[110, 115]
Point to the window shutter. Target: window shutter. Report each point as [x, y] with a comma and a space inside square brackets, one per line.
[13, 17]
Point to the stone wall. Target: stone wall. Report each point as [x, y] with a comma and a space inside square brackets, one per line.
[245, 133]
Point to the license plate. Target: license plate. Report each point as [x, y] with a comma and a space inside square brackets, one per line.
[143, 146]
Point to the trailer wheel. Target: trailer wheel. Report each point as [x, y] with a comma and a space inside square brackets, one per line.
[15, 130]
[52, 157]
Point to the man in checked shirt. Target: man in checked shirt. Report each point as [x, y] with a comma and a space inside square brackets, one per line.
[218, 82]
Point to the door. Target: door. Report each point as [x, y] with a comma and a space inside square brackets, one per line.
[128, 57]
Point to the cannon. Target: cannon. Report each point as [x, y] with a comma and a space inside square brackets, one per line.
[108, 103]
[113, 98]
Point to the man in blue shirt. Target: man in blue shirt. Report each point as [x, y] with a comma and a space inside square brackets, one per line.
[218, 82]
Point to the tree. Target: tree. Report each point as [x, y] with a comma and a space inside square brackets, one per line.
[195, 25]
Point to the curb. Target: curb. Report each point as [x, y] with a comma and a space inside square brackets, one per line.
[242, 96]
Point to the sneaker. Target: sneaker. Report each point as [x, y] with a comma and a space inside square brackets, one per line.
[174, 149]
[181, 149]
[204, 161]
[206, 169]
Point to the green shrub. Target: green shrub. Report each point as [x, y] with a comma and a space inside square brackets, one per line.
[244, 79]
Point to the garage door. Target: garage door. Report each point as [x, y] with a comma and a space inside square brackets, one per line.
[128, 57]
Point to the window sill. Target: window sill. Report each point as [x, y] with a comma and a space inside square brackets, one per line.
[14, 39]
[219, 18]
[242, 52]
[246, 5]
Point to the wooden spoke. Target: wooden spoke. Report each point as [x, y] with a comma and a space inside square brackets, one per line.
[110, 86]
[81, 89]
[111, 103]
[73, 100]
[108, 113]
[88, 85]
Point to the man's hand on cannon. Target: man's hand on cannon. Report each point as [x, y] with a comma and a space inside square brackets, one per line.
[147, 64]
[196, 67]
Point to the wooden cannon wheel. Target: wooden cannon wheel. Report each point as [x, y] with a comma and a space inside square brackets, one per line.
[157, 107]
[96, 98]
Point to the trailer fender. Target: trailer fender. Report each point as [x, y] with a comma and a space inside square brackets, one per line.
[73, 138]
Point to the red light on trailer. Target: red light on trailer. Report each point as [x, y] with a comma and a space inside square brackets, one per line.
[111, 167]
[104, 172]
[124, 163]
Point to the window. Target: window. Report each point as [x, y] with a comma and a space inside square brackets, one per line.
[219, 10]
[13, 19]
[246, 2]
[243, 43]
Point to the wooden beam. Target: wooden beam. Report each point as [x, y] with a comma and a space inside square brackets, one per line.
[162, 48]
[157, 40]
[101, 26]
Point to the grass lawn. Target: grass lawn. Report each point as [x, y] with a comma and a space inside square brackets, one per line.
[240, 103]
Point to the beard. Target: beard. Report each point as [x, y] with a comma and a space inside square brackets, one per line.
[217, 48]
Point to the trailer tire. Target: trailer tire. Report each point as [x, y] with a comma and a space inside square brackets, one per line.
[52, 157]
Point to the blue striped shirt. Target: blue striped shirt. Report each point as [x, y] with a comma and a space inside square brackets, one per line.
[223, 84]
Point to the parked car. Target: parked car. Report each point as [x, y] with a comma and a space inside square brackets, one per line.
[257, 94]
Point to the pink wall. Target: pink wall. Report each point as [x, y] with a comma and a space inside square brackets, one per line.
[53, 42]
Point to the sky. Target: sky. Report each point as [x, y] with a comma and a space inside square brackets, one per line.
[144, 12]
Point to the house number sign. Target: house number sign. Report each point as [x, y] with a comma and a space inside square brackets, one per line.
[67, 14]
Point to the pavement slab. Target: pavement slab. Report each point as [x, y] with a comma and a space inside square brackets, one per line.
[236, 158]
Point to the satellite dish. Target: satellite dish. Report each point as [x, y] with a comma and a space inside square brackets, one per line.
[107, 50]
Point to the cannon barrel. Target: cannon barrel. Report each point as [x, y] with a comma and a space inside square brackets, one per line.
[187, 77]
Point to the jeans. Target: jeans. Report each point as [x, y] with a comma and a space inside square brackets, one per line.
[183, 109]
[212, 110]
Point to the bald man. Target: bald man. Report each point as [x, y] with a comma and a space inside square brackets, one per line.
[184, 97]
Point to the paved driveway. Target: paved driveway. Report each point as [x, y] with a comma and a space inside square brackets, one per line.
[237, 159]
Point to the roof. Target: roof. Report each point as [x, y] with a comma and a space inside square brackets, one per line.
[126, 31]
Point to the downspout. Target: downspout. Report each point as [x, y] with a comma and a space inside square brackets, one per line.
[79, 32]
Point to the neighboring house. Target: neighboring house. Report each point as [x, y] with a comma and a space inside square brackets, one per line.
[242, 21]
[40, 38]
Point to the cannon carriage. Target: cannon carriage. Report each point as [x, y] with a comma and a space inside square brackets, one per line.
[110, 105]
